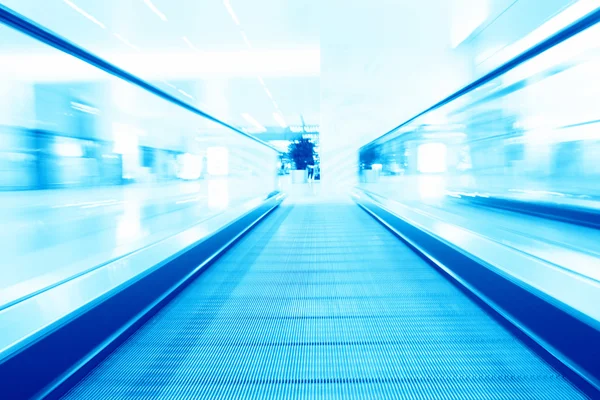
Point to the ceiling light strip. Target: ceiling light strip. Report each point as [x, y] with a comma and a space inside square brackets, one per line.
[84, 13]
[231, 12]
[18, 22]
[246, 40]
[189, 43]
[126, 42]
[186, 94]
[235, 19]
[279, 118]
[254, 122]
[155, 10]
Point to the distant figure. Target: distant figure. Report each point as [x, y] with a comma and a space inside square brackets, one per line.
[311, 171]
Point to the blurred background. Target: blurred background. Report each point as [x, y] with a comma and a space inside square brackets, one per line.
[531, 132]
[94, 166]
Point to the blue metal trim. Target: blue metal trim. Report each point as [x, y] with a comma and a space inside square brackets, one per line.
[570, 336]
[48, 367]
[579, 26]
[560, 212]
[24, 25]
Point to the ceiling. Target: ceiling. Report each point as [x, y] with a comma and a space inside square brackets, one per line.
[228, 57]
[357, 68]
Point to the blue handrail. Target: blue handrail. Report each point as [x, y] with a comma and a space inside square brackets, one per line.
[22, 24]
[576, 27]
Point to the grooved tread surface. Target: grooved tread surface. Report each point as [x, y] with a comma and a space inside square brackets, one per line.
[320, 301]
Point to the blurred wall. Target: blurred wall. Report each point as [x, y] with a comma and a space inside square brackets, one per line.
[382, 61]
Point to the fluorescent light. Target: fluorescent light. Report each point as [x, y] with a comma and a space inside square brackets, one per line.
[155, 10]
[254, 122]
[231, 12]
[186, 94]
[85, 14]
[126, 42]
[279, 118]
[189, 43]
[246, 39]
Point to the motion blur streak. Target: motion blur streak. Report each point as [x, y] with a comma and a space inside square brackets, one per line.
[92, 167]
[179, 183]
[528, 140]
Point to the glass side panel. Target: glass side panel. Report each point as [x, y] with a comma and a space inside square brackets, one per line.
[532, 132]
[526, 141]
[93, 168]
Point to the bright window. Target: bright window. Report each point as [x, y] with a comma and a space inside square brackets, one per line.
[431, 158]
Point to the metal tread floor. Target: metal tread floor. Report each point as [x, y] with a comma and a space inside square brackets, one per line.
[320, 301]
